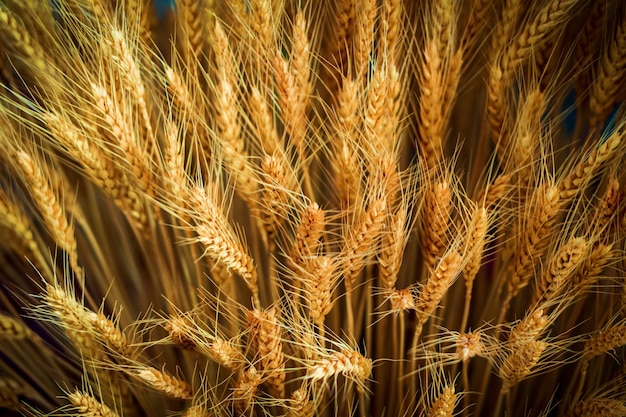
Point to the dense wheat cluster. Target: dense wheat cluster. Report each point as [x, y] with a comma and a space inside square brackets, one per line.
[313, 208]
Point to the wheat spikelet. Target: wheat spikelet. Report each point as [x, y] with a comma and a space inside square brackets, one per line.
[9, 391]
[74, 319]
[443, 404]
[438, 283]
[583, 172]
[468, 345]
[274, 195]
[535, 34]
[359, 240]
[220, 243]
[15, 224]
[600, 407]
[533, 243]
[265, 336]
[319, 288]
[393, 244]
[226, 354]
[300, 404]
[177, 328]
[435, 221]
[308, 233]
[51, 208]
[88, 406]
[584, 49]
[124, 136]
[520, 363]
[349, 363]
[611, 70]
[244, 392]
[560, 268]
[477, 233]
[528, 329]
[165, 383]
[18, 40]
[605, 341]
[13, 329]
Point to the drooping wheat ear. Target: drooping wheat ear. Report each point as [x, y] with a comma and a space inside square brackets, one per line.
[265, 338]
[359, 240]
[9, 394]
[608, 81]
[13, 329]
[132, 81]
[600, 407]
[92, 159]
[606, 209]
[245, 389]
[88, 406]
[437, 285]
[18, 41]
[435, 221]
[584, 50]
[300, 405]
[528, 329]
[123, 134]
[605, 341]
[393, 245]
[319, 287]
[51, 208]
[164, 383]
[75, 321]
[478, 16]
[226, 354]
[561, 266]
[519, 364]
[532, 241]
[468, 345]
[584, 171]
[443, 405]
[308, 234]
[220, 242]
[589, 271]
[15, 224]
[348, 363]
[534, 35]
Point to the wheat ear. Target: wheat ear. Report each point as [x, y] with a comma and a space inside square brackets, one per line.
[86, 405]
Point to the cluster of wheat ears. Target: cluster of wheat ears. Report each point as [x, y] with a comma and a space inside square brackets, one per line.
[323, 208]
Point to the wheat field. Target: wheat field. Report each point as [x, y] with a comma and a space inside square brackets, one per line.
[312, 208]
